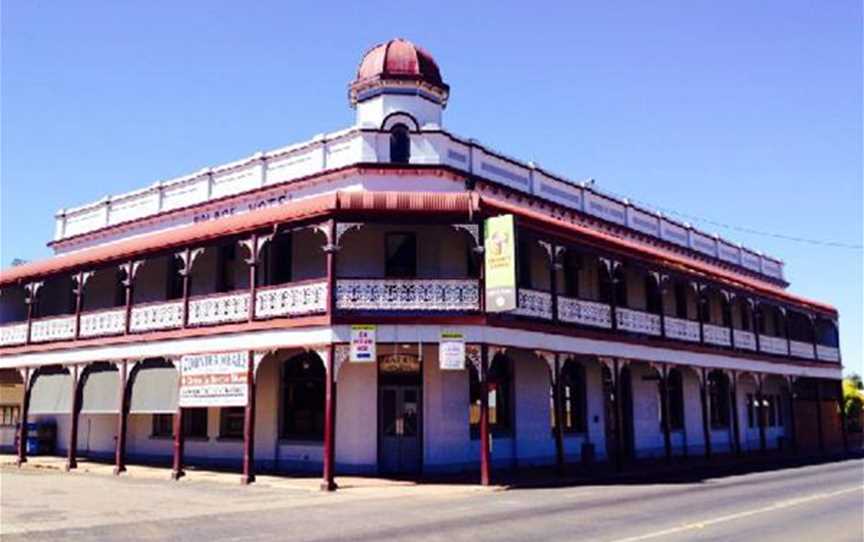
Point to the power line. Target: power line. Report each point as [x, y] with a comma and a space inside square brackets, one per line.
[818, 242]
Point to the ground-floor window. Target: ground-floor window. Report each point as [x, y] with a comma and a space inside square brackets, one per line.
[303, 397]
[573, 398]
[231, 422]
[9, 415]
[752, 409]
[718, 394]
[194, 424]
[675, 400]
[500, 390]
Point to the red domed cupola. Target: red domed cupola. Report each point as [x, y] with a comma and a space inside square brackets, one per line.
[398, 67]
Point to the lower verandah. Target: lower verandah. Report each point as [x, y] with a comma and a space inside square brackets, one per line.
[287, 434]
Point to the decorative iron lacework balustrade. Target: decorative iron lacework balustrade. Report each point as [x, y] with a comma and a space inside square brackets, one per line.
[719, 335]
[408, 294]
[101, 323]
[534, 303]
[637, 321]
[156, 316]
[587, 313]
[52, 329]
[744, 340]
[12, 334]
[219, 309]
[773, 345]
[827, 353]
[685, 330]
[291, 300]
[801, 349]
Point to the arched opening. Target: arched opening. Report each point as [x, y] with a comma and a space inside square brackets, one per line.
[13, 304]
[400, 144]
[826, 333]
[302, 398]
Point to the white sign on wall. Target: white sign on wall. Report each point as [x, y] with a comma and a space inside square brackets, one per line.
[363, 343]
[451, 351]
[214, 380]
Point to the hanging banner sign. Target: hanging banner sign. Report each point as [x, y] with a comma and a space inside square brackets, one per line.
[214, 380]
[451, 351]
[362, 344]
[500, 260]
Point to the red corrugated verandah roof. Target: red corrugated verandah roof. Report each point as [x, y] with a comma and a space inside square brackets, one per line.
[467, 203]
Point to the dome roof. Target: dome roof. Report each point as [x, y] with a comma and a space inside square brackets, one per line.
[398, 60]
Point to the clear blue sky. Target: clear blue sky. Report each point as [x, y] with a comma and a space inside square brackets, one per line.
[747, 113]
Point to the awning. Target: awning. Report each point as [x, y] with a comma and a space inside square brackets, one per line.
[154, 390]
[51, 393]
[100, 393]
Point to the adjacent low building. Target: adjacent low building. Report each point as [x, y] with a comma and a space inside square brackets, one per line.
[396, 299]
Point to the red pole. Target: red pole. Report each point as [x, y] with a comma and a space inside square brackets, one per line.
[485, 474]
[703, 402]
[328, 482]
[122, 413]
[249, 423]
[71, 456]
[22, 421]
[177, 469]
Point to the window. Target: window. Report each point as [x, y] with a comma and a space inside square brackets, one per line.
[194, 424]
[227, 258]
[9, 415]
[778, 404]
[401, 255]
[400, 144]
[751, 404]
[573, 398]
[523, 255]
[500, 397]
[768, 403]
[675, 400]
[718, 393]
[278, 256]
[163, 425]
[232, 420]
[303, 398]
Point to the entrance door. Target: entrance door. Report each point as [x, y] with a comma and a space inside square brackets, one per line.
[400, 429]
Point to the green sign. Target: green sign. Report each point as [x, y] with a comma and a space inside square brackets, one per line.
[500, 260]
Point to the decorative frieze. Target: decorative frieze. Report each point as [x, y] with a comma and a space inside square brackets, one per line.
[219, 309]
[744, 340]
[773, 345]
[12, 334]
[156, 316]
[684, 330]
[637, 321]
[408, 294]
[718, 335]
[534, 303]
[586, 313]
[291, 300]
[101, 323]
[52, 329]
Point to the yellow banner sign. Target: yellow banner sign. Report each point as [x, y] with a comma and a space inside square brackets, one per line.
[500, 260]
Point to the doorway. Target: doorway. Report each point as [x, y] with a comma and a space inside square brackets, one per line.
[400, 423]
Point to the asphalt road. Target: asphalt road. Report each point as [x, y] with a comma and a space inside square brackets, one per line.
[812, 503]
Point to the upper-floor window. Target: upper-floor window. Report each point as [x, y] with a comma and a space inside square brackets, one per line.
[400, 144]
[401, 255]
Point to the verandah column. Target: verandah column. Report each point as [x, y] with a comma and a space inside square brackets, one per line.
[328, 482]
[664, 405]
[72, 452]
[736, 429]
[485, 474]
[559, 416]
[820, 430]
[842, 413]
[249, 421]
[761, 413]
[22, 420]
[703, 400]
[619, 432]
[793, 436]
[122, 420]
[177, 471]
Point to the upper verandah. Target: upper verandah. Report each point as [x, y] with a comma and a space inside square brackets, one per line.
[78, 227]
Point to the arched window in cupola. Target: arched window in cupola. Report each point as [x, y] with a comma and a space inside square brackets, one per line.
[400, 144]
